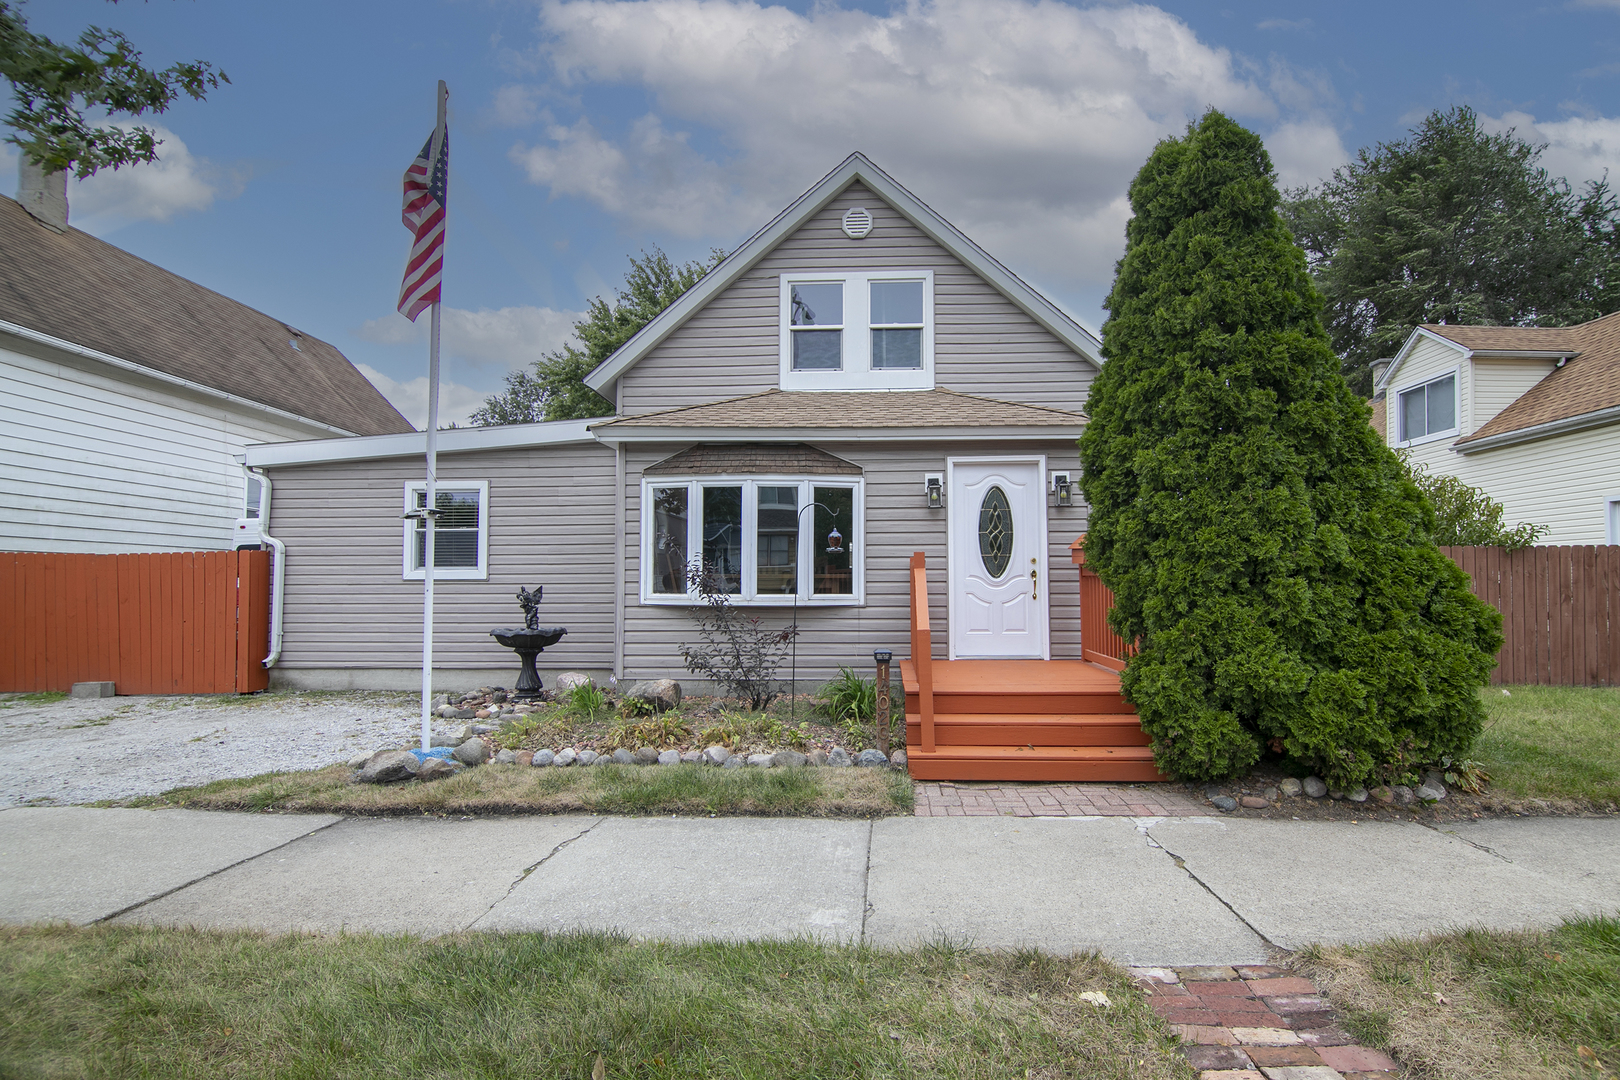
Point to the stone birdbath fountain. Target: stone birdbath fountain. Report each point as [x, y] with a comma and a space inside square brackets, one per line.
[529, 642]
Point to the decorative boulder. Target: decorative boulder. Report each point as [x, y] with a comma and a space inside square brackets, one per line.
[898, 759]
[872, 758]
[435, 769]
[669, 757]
[716, 755]
[1291, 786]
[564, 684]
[761, 761]
[565, 757]
[360, 759]
[542, 758]
[585, 757]
[839, 758]
[474, 751]
[387, 766]
[661, 694]
[505, 757]
[1314, 787]
[818, 757]
[621, 756]
[788, 758]
[691, 757]
[645, 755]
[733, 762]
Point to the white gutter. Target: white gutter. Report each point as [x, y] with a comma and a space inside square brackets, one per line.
[1568, 424]
[614, 436]
[278, 573]
[161, 376]
[414, 443]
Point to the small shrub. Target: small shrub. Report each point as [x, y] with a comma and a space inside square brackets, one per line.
[776, 733]
[587, 700]
[728, 732]
[1466, 516]
[848, 697]
[738, 651]
[630, 708]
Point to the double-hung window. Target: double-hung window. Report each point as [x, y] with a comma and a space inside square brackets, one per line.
[1429, 410]
[762, 540]
[872, 330]
[460, 533]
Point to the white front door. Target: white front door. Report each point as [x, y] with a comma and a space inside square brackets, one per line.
[996, 557]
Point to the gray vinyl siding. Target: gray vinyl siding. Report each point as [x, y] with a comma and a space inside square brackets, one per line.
[898, 522]
[983, 344]
[551, 523]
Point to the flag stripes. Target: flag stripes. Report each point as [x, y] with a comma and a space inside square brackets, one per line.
[426, 193]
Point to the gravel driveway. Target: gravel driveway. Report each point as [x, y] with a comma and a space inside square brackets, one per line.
[75, 751]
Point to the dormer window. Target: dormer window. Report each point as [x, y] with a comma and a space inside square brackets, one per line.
[871, 330]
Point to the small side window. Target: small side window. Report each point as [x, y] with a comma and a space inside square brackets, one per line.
[460, 532]
[1430, 409]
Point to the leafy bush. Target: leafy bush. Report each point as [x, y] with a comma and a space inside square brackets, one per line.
[1266, 551]
[587, 700]
[848, 698]
[1465, 516]
[738, 651]
[666, 730]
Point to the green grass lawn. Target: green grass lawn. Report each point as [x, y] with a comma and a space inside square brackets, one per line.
[598, 789]
[1478, 1004]
[125, 1002]
[1552, 742]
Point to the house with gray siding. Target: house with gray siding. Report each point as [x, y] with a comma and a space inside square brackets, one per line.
[857, 382]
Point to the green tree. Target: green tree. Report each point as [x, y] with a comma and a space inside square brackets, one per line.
[1466, 516]
[55, 85]
[1266, 550]
[555, 387]
[1453, 225]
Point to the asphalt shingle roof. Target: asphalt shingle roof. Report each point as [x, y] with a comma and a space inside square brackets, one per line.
[1586, 384]
[836, 410]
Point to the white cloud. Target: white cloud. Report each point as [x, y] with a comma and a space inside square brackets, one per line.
[515, 105]
[1305, 152]
[510, 337]
[1578, 149]
[456, 402]
[177, 183]
[1022, 121]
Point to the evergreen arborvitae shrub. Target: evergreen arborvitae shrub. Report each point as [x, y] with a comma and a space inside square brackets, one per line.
[1265, 549]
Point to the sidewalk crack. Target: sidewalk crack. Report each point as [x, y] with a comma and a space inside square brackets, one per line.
[866, 881]
[1458, 836]
[1182, 865]
[521, 878]
[213, 873]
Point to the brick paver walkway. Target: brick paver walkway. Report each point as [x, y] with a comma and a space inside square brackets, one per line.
[1258, 1023]
[962, 799]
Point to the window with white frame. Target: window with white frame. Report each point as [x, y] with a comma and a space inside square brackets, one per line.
[1429, 410]
[763, 540]
[872, 330]
[460, 533]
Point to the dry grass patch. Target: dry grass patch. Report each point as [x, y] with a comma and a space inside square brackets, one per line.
[115, 1002]
[599, 789]
[1485, 1005]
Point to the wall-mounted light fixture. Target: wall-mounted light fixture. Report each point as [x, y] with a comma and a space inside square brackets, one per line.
[1064, 488]
[934, 487]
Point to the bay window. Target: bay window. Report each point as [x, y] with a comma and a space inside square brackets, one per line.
[764, 540]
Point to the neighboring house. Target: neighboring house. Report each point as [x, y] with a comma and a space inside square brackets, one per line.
[128, 394]
[1530, 415]
[856, 382]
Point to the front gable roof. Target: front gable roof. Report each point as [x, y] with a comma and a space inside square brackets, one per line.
[855, 168]
[1583, 393]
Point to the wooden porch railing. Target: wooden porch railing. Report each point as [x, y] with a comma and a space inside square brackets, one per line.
[922, 648]
[1098, 642]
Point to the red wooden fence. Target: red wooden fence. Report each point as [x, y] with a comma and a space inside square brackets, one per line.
[1560, 611]
[1098, 642]
[187, 623]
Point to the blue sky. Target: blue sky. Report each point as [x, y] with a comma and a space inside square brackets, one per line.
[585, 131]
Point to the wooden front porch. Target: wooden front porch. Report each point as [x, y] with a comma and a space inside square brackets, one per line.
[1018, 719]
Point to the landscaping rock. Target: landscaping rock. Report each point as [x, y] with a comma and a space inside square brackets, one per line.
[459, 714]
[1224, 803]
[1314, 787]
[692, 757]
[436, 769]
[387, 766]
[587, 757]
[661, 694]
[441, 752]
[482, 714]
[565, 757]
[898, 759]
[644, 755]
[542, 758]
[839, 758]
[733, 762]
[1337, 794]
[1430, 792]
[669, 757]
[565, 683]
[621, 756]
[716, 755]
[360, 759]
[525, 757]
[761, 761]
[484, 729]
[1291, 787]
[440, 701]
[818, 757]
[788, 759]
[472, 752]
[505, 757]
[872, 759]
[1382, 794]
[1254, 802]
[1403, 795]
[1270, 794]
[1357, 794]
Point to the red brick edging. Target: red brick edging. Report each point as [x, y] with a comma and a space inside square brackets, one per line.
[961, 799]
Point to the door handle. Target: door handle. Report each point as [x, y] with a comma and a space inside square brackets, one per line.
[1034, 584]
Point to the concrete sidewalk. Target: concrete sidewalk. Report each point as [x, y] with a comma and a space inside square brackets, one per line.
[1144, 891]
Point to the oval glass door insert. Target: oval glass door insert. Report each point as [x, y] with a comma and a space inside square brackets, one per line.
[995, 531]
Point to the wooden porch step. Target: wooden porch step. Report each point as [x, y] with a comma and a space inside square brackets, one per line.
[1029, 729]
[1018, 686]
[1116, 764]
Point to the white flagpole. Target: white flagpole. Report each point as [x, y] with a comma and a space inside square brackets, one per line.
[431, 506]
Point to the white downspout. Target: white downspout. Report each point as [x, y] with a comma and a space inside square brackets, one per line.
[277, 574]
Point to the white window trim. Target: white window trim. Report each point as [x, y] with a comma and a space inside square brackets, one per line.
[408, 540]
[857, 372]
[750, 485]
[1611, 518]
[1433, 436]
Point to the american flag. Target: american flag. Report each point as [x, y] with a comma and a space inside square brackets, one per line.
[427, 184]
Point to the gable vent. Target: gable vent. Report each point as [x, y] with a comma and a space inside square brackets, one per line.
[857, 222]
